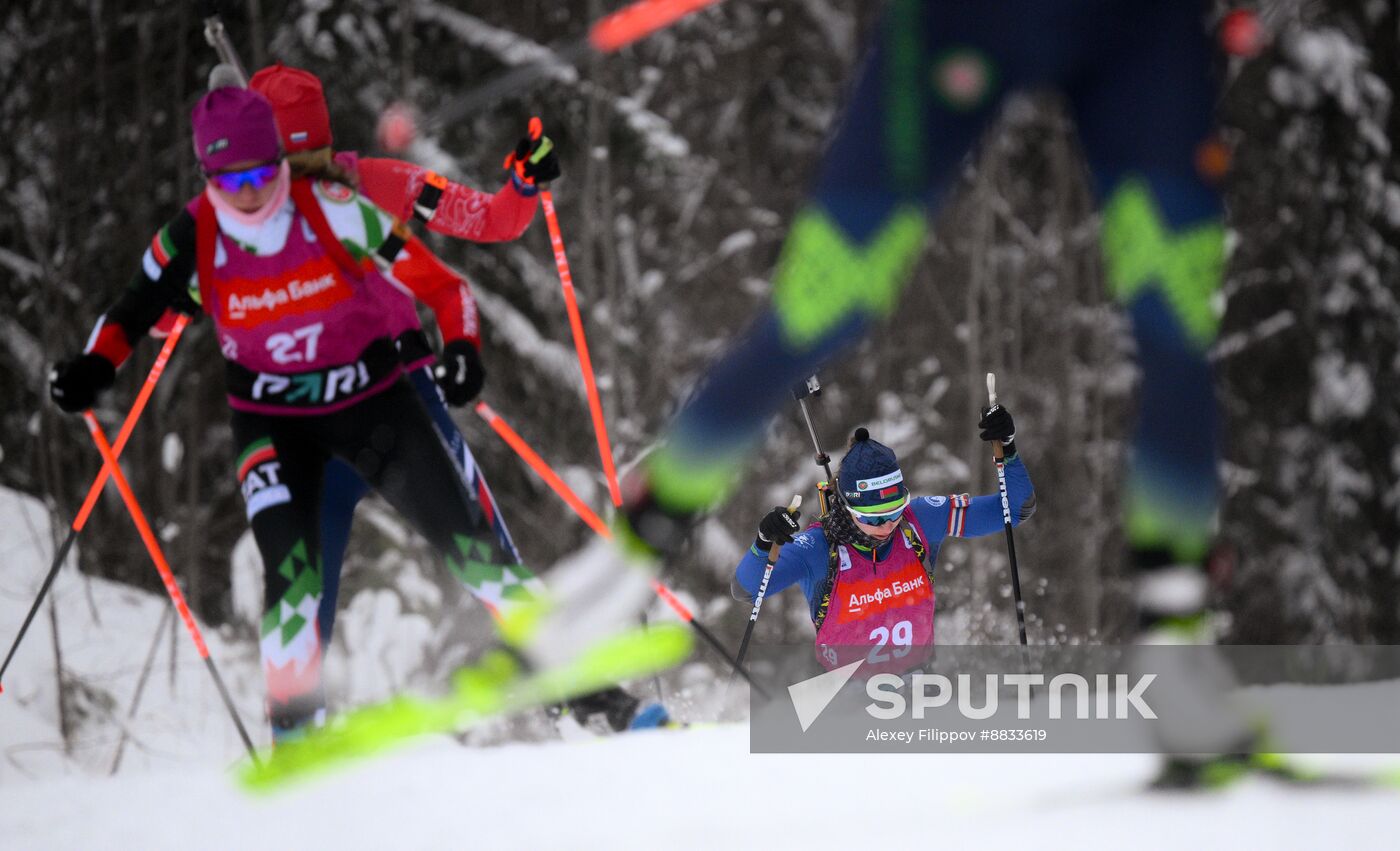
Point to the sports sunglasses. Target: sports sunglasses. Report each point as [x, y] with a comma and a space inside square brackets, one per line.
[891, 516]
[255, 178]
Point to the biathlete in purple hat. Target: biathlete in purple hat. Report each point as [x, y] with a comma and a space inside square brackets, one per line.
[296, 275]
[866, 566]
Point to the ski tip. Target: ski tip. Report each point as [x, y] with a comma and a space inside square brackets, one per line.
[358, 734]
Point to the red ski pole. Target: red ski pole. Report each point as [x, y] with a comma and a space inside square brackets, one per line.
[608, 34]
[566, 280]
[639, 20]
[544, 471]
[129, 425]
[167, 576]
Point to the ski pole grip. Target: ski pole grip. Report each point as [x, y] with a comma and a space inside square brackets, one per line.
[808, 387]
[777, 547]
[997, 452]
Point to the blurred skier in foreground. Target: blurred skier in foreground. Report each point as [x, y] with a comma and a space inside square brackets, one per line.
[1135, 76]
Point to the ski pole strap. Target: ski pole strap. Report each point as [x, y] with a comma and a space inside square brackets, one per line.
[425, 205]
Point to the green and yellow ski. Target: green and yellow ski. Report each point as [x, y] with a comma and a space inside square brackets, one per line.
[494, 687]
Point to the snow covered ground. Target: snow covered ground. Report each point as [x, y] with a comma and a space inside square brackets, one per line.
[696, 788]
[686, 789]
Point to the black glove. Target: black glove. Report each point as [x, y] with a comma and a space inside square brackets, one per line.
[74, 384]
[459, 372]
[778, 526]
[534, 160]
[996, 424]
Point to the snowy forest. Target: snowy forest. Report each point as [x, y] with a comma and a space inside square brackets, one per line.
[684, 158]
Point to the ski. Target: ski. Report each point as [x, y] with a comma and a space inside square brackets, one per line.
[494, 687]
[1226, 771]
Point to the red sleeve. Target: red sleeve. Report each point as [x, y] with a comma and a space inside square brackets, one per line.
[390, 184]
[463, 212]
[442, 289]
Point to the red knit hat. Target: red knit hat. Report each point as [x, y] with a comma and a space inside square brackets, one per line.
[300, 104]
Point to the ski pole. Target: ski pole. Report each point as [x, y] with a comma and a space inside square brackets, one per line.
[813, 387]
[1006, 517]
[566, 280]
[594, 522]
[217, 37]
[773, 552]
[542, 469]
[167, 576]
[128, 425]
[611, 33]
[140, 690]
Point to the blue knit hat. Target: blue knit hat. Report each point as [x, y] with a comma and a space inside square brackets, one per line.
[870, 479]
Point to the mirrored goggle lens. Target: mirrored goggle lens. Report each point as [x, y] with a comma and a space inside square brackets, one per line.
[880, 519]
[256, 177]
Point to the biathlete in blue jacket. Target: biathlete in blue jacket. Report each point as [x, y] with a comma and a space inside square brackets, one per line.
[866, 566]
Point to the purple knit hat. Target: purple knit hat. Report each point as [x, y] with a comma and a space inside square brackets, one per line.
[234, 125]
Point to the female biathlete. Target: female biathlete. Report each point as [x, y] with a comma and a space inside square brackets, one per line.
[866, 566]
[286, 270]
[408, 191]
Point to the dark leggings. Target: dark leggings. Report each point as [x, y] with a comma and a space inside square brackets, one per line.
[390, 441]
[343, 489]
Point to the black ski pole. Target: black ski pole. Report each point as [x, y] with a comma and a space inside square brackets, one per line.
[1006, 517]
[669, 598]
[140, 689]
[773, 552]
[811, 387]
